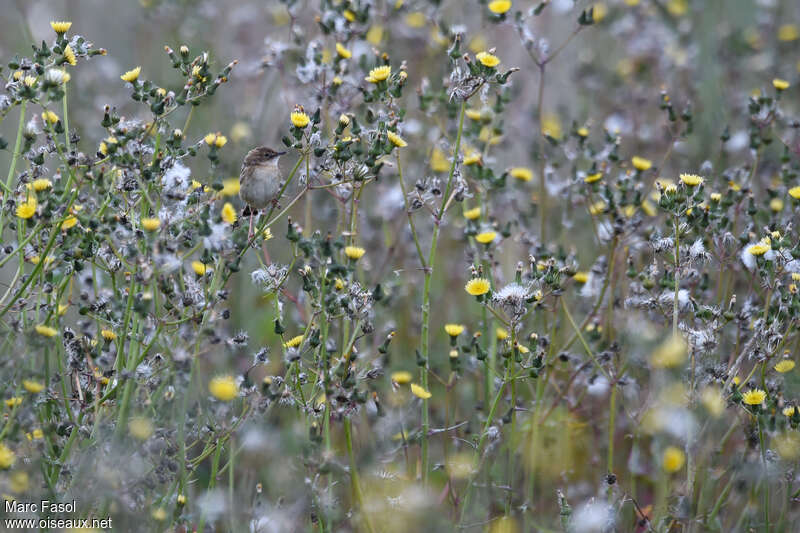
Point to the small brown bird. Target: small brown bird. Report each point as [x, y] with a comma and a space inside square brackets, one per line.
[260, 179]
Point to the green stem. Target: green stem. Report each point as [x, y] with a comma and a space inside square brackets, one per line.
[14, 156]
[356, 486]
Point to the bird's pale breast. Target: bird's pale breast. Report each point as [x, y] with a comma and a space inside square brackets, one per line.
[260, 184]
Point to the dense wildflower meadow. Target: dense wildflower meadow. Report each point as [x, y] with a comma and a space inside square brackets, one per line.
[533, 266]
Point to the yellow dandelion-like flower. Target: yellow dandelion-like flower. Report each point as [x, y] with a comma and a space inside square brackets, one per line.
[294, 342]
[691, 180]
[46, 331]
[640, 163]
[759, 248]
[754, 397]
[486, 237]
[223, 388]
[551, 126]
[375, 35]
[499, 7]
[789, 411]
[140, 428]
[784, 366]
[501, 334]
[69, 222]
[776, 204]
[673, 459]
[788, 32]
[131, 75]
[200, 268]
[354, 252]
[401, 377]
[69, 55]
[670, 353]
[60, 27]
[379, 74]
[581, 277]
[419, 392]
[108, 334]
[416, 19]
[34, 387]
[343, 52]
[299, 119]
[439, 162]
[454, 330]
[521, 173]
[228, 213]
[41, 184]
[396, 140]
[487, 60]
[220, 141]
[29, 81]
[27, 209]
[780, 84]
[591, 178]
[210, 138]
[7, 456]
[13, 401]
[477, 286]
[713, 401]
[50, 117]
[472, 214]
[150, 223]
[230, 187]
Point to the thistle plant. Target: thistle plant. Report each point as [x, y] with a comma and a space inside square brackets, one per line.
[528, 269]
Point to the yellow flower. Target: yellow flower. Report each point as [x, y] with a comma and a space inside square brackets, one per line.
[181, 499]
[501, 334]
[713, 401]
[401, 377]
[379, 74]
[342, 51]
[396, 139]
[591, 178]
[776, 204]
[49, 116]
[199, 268]
[472, 214]
[416, 19]
[583, 132]
[691, 180]
[789, 411]
[581, 277]
[27, 209]
[31, 386]
[454, 330]
[521, 173]
[210, 138]
[673, 459]
[230, 187]
[60, 27]
[759, 248]
[13, 401]
[477, 286]
[784, 366]
[754, 397]
[41, 184]
[299, 119]
[794, 192]
[220, 141]
[354, 252]
[640, 163]
[228, 213]
[69, 222]
[788, 32]
[294, 342]
[140, 428]
[375, 35]
[551, 125]
[46, 331]
[670, 353]
[150, 223]
[439, 162]
[780, 84]
[486, 237]
[108, 334]
[499, 6]
[131, 75]
[419, 392]
[29, 81]
[69, 55]
[7, 456]
[487, 59]
[223, 388]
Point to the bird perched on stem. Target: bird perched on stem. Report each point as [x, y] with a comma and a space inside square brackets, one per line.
[260, 180]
